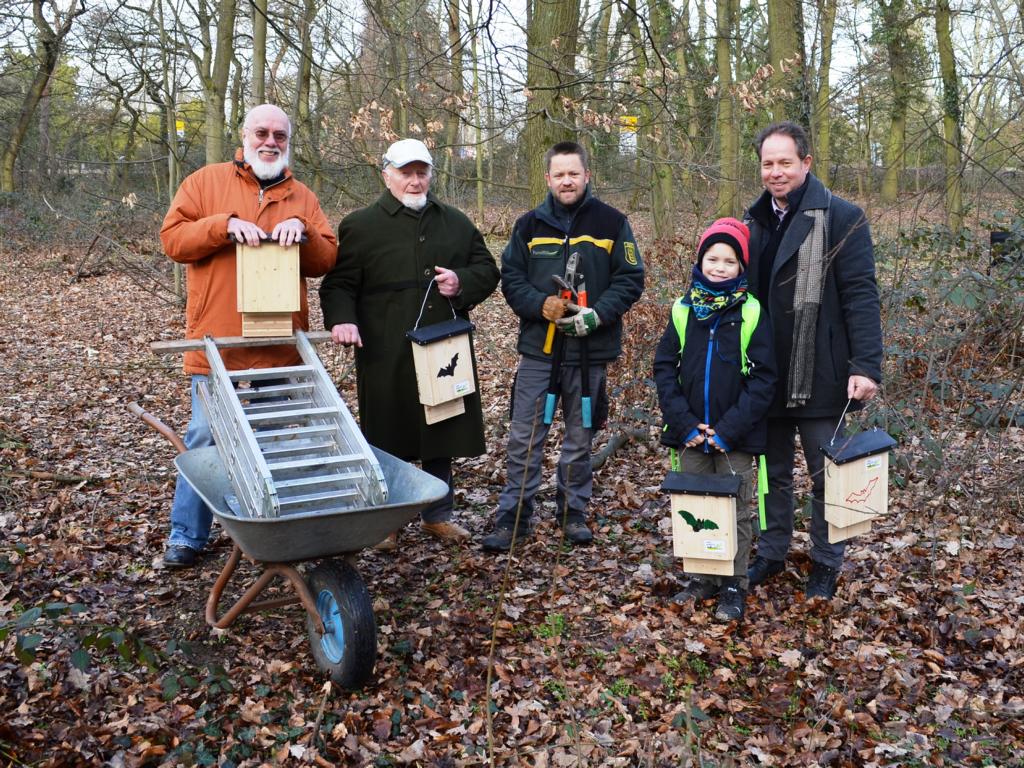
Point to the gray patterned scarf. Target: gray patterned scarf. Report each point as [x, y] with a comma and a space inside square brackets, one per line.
[810, 284]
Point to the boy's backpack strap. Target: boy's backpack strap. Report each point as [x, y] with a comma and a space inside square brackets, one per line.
[751, 314]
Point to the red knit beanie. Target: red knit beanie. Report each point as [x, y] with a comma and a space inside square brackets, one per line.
[733, 233]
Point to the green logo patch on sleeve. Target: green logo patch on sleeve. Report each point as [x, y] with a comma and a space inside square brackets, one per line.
[630, 249]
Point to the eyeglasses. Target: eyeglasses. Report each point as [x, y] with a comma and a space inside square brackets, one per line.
[280, 137]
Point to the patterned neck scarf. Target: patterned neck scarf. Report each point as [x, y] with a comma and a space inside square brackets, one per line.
[706, 297]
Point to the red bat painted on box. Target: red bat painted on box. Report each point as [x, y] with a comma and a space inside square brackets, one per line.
[859, 497]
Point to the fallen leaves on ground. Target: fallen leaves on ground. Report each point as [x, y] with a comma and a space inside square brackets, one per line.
[917, 662]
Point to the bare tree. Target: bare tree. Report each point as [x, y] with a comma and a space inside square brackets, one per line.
[48, 39]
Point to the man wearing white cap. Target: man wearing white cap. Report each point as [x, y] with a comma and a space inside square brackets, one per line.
[390, 254]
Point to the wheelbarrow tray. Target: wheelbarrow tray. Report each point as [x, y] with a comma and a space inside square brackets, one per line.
[312, 535]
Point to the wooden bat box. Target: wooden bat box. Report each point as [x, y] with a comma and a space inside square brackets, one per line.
[268, 287]
[444, 365]
[856, 483]
[703, 513]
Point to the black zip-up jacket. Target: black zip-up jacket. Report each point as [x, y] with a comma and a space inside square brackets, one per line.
[706, 386]
[609, 262]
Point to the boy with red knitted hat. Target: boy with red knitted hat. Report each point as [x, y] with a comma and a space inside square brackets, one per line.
[716, 380]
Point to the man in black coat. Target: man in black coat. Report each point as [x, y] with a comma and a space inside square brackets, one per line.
[813, 268]
[405, 259]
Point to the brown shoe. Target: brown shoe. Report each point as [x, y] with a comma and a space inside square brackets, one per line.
[390, 544]
[446, 530]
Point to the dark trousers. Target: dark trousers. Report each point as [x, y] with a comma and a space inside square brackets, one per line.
[775, 540]
[440, 510]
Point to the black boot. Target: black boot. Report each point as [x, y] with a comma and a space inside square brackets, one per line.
[822, 581]
[731, 602]
[762, 569]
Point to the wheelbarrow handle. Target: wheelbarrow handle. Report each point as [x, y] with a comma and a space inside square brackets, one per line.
[159, 426]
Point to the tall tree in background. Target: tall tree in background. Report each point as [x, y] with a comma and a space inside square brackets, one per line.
[259, 51]
[458, 86]
[821, 124]
[48, 40]
[891, 31]
[786, 54]
[212, 61]
[306, 122]
[951, 116]
[552, 37]
[727, 203]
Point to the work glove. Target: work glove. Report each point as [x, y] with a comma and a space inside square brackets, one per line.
[554, 308]
[583, 323]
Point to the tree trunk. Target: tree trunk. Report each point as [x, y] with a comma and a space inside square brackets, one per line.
[47, 53]
[259, 52]
[477, 119]
[215, 82]
[727, 203]
[953, 148]
[894, 34]
[458, 87]
[304, 149]
[551, 40]
[689, 88]
[786, 52]
[663, 201]
[822, 124]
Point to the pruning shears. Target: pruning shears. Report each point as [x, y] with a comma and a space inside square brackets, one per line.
[566, 293]
[570, 291]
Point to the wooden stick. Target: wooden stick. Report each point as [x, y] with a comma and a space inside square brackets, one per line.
[190, 345]
[38, 474]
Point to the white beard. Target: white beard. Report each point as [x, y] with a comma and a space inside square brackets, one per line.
[416, 202]
[264, 170]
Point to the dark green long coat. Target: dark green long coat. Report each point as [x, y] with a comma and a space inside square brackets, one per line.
[386, 259]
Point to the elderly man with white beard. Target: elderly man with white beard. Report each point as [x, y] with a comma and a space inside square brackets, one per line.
[250, 199]
[408, 260]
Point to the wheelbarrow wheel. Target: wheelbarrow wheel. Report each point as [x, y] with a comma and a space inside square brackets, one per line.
[347, 651]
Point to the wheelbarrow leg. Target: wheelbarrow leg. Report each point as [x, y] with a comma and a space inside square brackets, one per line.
[245, 602]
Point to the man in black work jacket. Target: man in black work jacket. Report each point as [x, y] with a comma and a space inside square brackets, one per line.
[570, 226]
[812, 266]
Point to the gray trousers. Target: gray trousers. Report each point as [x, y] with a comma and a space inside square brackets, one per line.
[742, 464]
[775, 540]
[527, 433]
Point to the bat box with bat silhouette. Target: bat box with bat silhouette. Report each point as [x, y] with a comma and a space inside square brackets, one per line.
[268, 288]
[703, 520]
[856, 482]
[443, 356]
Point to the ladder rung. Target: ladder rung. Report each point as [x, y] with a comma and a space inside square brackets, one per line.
[264, 407]
[301, 482]
[271, 435]
[310, 498]
[290, 413]
[316, 461]
[259, 374]
[275, 390]
[282, 447]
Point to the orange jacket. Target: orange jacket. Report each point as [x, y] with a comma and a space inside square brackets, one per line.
[194, 232]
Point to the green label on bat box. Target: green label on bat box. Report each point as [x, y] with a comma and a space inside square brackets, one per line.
[714, 546]
[462, 387]
[873, 462]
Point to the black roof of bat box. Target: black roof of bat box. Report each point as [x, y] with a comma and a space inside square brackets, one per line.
[701, 485]
[439, 331]
[846, 449]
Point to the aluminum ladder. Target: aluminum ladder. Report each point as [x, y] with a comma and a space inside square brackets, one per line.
[288, 441]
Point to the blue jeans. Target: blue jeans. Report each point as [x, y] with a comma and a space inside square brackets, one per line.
[527, 433]
[190, 517]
